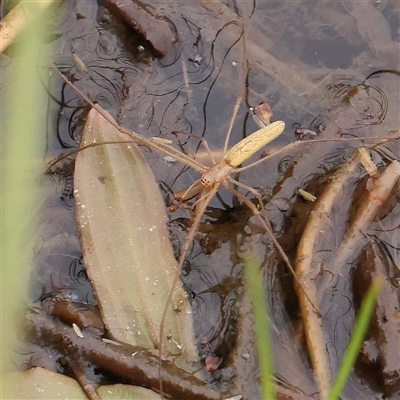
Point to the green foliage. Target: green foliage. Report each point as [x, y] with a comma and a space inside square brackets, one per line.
[23, 129]
[356, 340]
[254, 281]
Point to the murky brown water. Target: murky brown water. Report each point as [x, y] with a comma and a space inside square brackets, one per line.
[309, 62]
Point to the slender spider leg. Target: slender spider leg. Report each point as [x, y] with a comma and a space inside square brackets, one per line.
[246, 187]
[305, 143]
[232, 120]
[238, 99]
[200, 139]
[186, 194]
[136, 138]
[278, 247]
[210, 193]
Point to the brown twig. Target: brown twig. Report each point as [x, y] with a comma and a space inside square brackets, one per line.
[131, 364]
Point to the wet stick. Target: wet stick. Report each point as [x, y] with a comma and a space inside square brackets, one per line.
[377, 194]
[135, 364]
[307, 271]
[18, 19]
[309, 268]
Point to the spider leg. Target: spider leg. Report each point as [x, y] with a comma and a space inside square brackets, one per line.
[248, 188]
[266, 225]
[205, 197]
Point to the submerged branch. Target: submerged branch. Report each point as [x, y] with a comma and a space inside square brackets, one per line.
[131, 364]
[355, 239]
[309, 269]
[308, 272]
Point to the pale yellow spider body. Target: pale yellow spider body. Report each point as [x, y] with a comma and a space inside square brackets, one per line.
[220, 172]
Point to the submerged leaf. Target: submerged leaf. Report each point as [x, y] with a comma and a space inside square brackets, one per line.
[125, 241]
[39, 383]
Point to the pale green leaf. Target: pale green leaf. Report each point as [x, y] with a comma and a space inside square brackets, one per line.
[39, 383]
[127, 253]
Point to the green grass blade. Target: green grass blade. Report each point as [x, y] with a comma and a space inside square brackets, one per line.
[261, 326]
[23, 135]
[356, 340]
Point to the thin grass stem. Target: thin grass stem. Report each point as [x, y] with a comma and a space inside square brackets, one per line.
[356, 340]
[255, 289]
